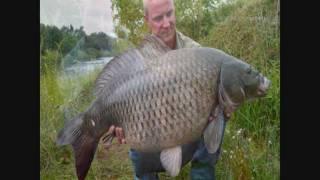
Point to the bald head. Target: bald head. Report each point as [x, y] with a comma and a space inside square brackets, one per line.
[147, 2]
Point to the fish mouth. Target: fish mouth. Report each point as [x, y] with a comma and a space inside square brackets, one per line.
[264, 86]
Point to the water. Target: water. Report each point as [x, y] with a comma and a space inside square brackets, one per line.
[74, 77]
[86, 67]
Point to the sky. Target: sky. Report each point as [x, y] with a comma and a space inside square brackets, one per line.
[93, 15]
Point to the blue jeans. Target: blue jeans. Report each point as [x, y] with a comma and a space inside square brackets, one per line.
[146, 165]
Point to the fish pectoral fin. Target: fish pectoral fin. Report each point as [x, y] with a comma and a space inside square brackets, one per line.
[171, 160]
[213, 133]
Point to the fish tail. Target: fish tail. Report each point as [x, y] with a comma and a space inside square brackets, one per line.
[84, 144]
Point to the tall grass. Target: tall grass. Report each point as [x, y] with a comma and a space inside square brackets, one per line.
[251, 144]
[246, 29]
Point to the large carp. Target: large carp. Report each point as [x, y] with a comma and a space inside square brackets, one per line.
[162, 99]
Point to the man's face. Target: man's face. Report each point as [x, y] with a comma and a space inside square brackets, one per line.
[161, 19]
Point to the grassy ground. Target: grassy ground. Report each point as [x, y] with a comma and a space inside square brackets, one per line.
[251, 148]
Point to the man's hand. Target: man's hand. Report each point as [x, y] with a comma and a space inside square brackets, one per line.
[118, 132]
[120, 135]
[113, 132]
[215, 113]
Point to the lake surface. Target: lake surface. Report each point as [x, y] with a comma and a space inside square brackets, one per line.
[87, 66]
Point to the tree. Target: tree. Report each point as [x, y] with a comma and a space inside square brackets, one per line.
[52, 38]
[128, 18]
[79, 33]
[99, 41]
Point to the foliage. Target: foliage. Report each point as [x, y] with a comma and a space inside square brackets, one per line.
[73, 44]
[98, 41]
[50, 61]
[194, 18]
[128, 18]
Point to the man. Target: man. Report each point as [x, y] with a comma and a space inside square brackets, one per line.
[161, 20]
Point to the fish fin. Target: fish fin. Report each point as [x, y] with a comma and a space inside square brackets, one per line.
[171, 160]
[121, 67]
[84, 149]
[213, 133]
[83, 143]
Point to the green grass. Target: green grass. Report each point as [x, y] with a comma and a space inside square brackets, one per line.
[251, 148]
[251, 144]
